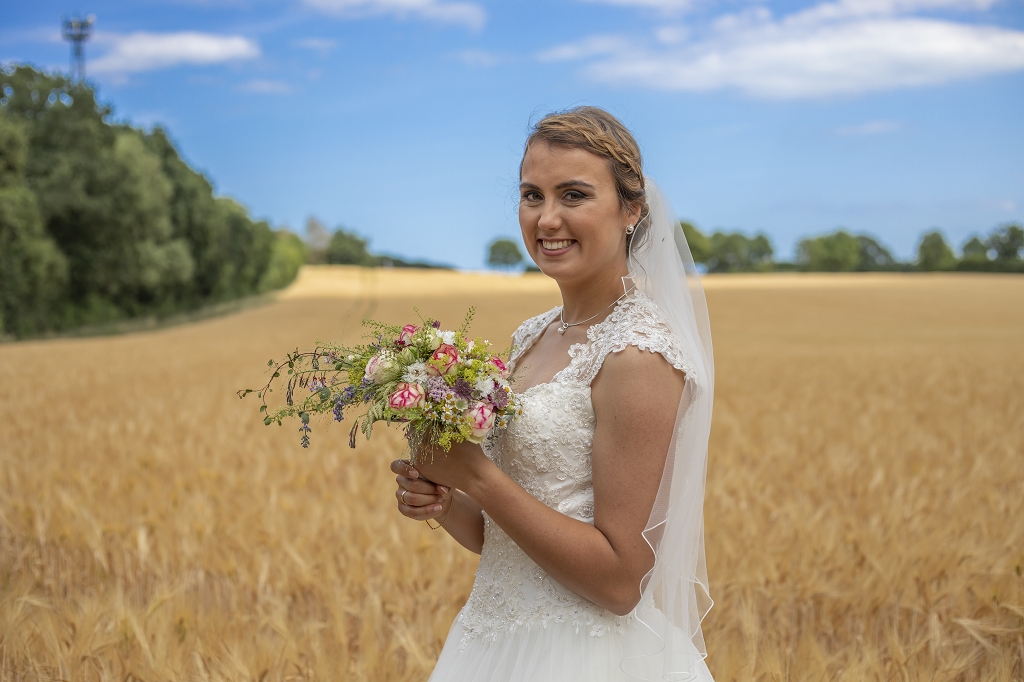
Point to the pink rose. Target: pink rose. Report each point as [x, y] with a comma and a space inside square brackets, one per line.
[406, 396]
[373, 367]
[481, 416]
[405, 338]
[502, 369]
[443, 360]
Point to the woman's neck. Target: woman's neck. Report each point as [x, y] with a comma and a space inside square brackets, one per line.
[584, 299]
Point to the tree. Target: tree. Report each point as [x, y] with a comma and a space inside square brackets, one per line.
[318, 239]
[700, 245]
[33, 272]
[1007, 241]
[735, 252]
[933, 253]
[348, 248]
[836, 252]
[975, 250]
[504, 253]
[874, 256]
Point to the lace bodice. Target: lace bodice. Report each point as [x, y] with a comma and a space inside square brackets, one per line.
[547, 451]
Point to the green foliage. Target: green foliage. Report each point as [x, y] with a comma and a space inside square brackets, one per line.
[33, 272]
[286, 257]
[836, 252]
[735, 252]
[933, 253]
[700, 245]
[102, 221]
[975, 250]
[1007, 241]
[348, 248]
[504, 253]
[874, 256]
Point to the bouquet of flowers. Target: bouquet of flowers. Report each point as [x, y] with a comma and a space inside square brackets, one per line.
[445, 387]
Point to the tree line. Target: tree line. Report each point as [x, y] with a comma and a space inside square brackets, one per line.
[839, 251]
[102, 221]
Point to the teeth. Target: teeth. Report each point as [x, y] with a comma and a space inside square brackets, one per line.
[554, 246]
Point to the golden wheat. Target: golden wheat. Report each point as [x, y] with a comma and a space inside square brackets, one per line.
[864, 515]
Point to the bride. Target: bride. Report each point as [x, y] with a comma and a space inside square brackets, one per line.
[587, 511]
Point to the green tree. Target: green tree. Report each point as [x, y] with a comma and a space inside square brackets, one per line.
[700, 245]
[348, 248]
[286, 257]
[836, 252]
[504, 253]
[33, 272]
[1007, 241]
[874, 256]
[975, 250]
[735, 252]
[933, 253]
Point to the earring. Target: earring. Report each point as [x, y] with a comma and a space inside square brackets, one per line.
[629, 229]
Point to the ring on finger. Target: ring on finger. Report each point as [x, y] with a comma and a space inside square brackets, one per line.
[402, 497]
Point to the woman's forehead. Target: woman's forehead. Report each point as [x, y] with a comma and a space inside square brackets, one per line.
[548, 163]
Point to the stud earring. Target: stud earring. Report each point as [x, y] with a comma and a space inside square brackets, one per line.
[629, 229]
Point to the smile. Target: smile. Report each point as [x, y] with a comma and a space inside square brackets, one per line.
[556, 245]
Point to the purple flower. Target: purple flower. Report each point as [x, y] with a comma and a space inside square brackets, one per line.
[499, 398]
[463, 389]
[436, 324]
[437, 389]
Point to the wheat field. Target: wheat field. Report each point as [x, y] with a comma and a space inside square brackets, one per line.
[864, 511]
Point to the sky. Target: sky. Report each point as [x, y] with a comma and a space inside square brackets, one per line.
[404, 120]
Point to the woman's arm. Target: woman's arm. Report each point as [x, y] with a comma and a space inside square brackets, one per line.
[455, 510]
[635, 397]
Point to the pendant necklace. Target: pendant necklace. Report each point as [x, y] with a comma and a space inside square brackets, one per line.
[566, 325]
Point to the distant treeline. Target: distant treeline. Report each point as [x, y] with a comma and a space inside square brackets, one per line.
[344, 247]
[842, 251]
[101, 221]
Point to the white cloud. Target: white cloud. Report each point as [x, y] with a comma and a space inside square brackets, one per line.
[464, 13]
[663, 5]
[142, 51]
[323, 46]
[267, 87]
[870, 128]
[850, 58]
[838, 48]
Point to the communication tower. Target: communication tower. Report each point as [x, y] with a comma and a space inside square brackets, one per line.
[77, 32]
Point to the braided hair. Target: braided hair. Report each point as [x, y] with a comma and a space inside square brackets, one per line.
[596, 131]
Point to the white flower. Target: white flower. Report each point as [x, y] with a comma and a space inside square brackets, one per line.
[448, 337]
[469, 346]
[484, 386]
[416, 373]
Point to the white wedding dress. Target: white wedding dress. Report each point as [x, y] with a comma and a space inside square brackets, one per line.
[519, 624]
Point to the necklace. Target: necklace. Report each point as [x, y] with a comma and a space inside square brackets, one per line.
[566, 325]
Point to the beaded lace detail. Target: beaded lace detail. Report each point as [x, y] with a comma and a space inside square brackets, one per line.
[547, 450]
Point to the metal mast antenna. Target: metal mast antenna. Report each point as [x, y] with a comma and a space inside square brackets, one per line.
[77, 32]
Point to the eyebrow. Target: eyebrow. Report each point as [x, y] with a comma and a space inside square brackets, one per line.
[561, 185]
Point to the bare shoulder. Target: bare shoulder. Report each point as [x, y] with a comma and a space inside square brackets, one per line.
[633, 373]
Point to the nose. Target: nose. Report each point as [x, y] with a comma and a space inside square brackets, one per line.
[550, 220]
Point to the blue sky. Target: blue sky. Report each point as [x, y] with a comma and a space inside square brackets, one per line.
[404, 119]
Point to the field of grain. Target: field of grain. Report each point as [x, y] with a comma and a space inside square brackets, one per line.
[864, 512]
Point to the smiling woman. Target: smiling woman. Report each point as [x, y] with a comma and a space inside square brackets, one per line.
[587, 510]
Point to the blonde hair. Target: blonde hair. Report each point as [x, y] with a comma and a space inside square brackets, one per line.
[596, 131]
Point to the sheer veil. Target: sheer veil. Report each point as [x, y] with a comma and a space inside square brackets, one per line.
[668, 644]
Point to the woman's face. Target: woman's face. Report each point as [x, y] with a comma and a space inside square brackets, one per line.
[569, 211]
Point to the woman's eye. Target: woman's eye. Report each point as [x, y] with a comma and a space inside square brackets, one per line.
[531, 196]
[573, 195]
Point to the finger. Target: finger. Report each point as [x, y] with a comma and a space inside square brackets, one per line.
[419, 513]
[416, 499]
[404, 467]
[417, 485]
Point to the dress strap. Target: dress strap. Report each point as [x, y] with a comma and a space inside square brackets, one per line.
[637, 321]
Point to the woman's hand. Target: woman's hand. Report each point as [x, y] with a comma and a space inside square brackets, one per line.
[419, 499]
[456, 468]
